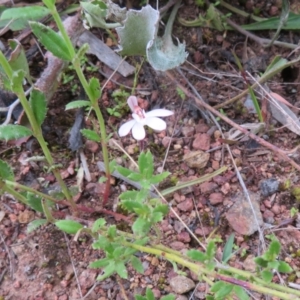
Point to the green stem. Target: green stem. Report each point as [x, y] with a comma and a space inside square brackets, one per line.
[36, 129]
[14, 193]
[31, 190]
[85, 85]
[47, 212]
[272, 289]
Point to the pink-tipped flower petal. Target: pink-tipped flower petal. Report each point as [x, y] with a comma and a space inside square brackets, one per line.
[138, 131]
[159, 113]
[126, 127]
[132, 103]
[156, 123]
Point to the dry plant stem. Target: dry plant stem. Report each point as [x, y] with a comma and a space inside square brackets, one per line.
[259, 140]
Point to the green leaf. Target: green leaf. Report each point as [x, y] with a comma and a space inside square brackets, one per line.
[13, 132]
[101, 243]
[168, 297]
[17, 80]
[217, 285]
[34, 201]
[157, 217]
[132, 206]
[38, 105]
[197, 255]
[98, 224]
[159, 177]
[211, 250]
[267, 276]
[118, 252]
[100, 263]
[6, 172]
[51, 40]
[123, 171]
[68, 226]
[261, 262]
[273, 251]
[121, 270]
[139, 297]
[135, 176]
[284, 267]
[162, 208]
[95, 90]
[133, 41]
[273, 265]
[145, 163]
[149, 294]
[136, 264]
[240, 293]
[112, 231]
[141, 226]
[228, 249]
[17, 17]
[224, 290]
[35, 224]
[18, 60]
[90, 135]
[108, 271]
[78, 104]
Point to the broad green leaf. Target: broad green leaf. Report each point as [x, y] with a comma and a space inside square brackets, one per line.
[136, 264]
[133, 41]
[68, 226]
[273, 265]
[38, 105]
[13, 132]
[267, 275]
[112, 231]
[78, 104]
[128, 195]
[197, 255]
[49, 3]
[132, 205]
[240, 293]
[35, 225]
[118, 252]
[108, 271]
[162, 53]
[284, 267]
[6, 172]
[98, 224]
[95, 90]
[163, 208]
[261, 262]
[139, 297]
[228, 249]
[141, 226]
[121, 269]
[18, 17]
[224, 290]
[135, 176]
[90, 135]
[100, 263]
[17, 58]
[17, 80]
[34, 201]
[273, 251]
[145, 163]
[157, 217]
[159, 177]
[149, 294]
[217, 285]
[101, 243]
[51, 40]
[168, 297]
[124, 171]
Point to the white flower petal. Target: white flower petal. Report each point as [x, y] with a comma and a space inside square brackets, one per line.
[132, 102]
[159, 113]
[138, 131]
[126, 127]
[156, 123]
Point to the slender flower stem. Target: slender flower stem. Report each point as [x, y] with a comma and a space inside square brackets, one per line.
[36, 129]
[87, 89]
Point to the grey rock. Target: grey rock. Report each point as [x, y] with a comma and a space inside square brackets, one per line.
[269, 186]
[181, 284]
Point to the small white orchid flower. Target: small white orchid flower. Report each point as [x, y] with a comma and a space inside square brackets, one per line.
[142, 118]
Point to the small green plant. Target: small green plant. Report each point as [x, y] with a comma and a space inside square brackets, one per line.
[293, 212]
[120, 105]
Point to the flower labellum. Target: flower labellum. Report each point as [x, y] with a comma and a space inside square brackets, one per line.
[142, 118]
